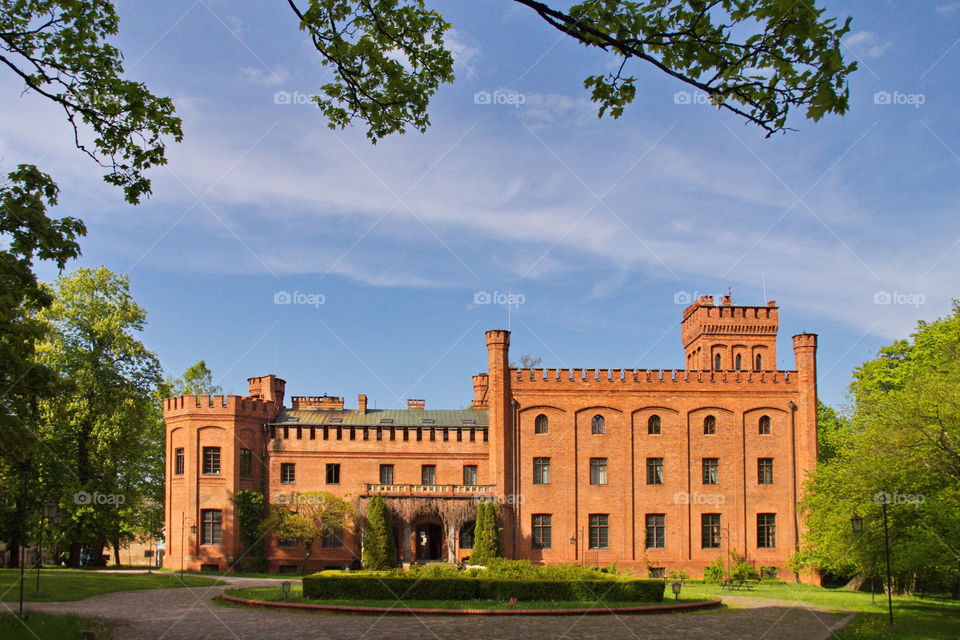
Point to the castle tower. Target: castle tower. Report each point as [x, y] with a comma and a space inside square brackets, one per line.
[499, 401]
[726, 337]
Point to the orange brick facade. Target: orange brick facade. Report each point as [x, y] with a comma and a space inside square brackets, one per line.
[711, 457]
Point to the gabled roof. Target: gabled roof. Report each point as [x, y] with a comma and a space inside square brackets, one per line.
[464, 418]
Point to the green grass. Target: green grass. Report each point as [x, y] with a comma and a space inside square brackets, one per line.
[44, 626]
[914, 618]
[274, 594]
[237, 574]
[70, 584]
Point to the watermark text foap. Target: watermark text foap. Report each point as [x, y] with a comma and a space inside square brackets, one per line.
[685, 297]
[915, 100]
[298, 297]
[897, 297]
[96, 498]
[885, 497]
[509, 499]
[498, 297]
[293, 97]
[697, 97]
[500, 98]
[684, 497]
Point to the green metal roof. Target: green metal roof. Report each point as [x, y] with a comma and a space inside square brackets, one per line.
[375, 417]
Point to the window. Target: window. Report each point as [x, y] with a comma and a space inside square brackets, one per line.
[764, 470]
[766, 530]
[211, 461]
[739, 362]
[758, 363]
[333, 539]
[596, 425]
[654, 470]
[541, 471]
[653, 425]
[287, 542]
[542, 530]
[599, 531]
[333, 473]
[178, 461]
[246, 462]
[711, 470]
[470, 474]
[716, 362]
[428, 474]
[656, 530]
[710, 424]
[541, 424]
[710, 530]
[764, 425]
[288, 473]
[386, 474]
[466, 535]
[598, 471]
[211, 531]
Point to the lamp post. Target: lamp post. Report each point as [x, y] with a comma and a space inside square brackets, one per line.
[285, 585]
[676, 589]
[193, 530]
[856, 522]
[49, 511]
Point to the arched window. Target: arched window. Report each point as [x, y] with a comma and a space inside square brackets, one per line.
[596, 425]
[765, 425]
[541, 425]
[653, 424]
[758, 365]
[710, 424]
[716, 362]
[739, 365]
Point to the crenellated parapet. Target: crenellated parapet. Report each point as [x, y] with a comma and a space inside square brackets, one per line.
[220, 405]
[647, 379]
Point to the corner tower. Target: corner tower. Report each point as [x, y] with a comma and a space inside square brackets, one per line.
[729, 337]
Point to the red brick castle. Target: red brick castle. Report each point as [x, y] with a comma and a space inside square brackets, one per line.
[656, 470]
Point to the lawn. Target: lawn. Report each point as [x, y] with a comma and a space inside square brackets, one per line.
[914, 618]
[70, 584]
[43, 626]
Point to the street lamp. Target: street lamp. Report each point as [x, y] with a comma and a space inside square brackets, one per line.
[856, 523]
[193, 530]
[285, 585]
[676, 589]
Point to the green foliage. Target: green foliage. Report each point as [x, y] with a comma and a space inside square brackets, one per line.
[197, 379]
[307, 517]
[741, 568]
[486, 541]
[379, 544]
[250, 507]
[834, 432]
[715, 571]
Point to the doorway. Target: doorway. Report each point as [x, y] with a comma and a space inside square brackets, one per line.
[429, 542]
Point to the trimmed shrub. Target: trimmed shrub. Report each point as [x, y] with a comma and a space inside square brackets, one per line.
[379, 546]
[486, 541]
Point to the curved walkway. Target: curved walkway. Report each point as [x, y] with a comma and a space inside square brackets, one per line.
[190, 614]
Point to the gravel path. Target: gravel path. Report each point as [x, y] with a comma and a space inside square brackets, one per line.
[190, 614]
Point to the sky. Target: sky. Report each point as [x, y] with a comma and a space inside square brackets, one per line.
[273, 244]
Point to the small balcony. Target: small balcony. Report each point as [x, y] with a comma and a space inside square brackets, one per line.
[445, 490]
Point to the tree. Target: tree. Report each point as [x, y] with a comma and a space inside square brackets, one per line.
[379, 544]
[102, 431]
[250, 508]
[486, 537]
[833, 433]
[307, 518]
[759, 59]
[197, 379]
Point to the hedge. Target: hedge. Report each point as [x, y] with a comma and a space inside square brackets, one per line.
[338, 586]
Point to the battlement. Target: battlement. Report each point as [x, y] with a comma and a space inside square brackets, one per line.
[219, 404]
[316, 402]
[644, 379]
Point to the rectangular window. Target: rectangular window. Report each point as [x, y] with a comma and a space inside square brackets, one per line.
[386, 474]
[656, 530]
[178, 461]
[211, 531]
[466, 536]
[654, 470]
[288, 473]
[287, 543]
[766, 530]
[428, 474]
[246, 462]
[333, 539]
[764, 470]
[470, 474]
[599, 531]
[711, 470]
[710, 530]
[542, 530]
[211, 461]
[541, 471]
[598, 471]
[333, 473]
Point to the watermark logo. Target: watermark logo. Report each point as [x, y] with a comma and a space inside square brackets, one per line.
[510, 98]
[915, 100]
[686, 297]
[884, 497]
[298, 297]
[897, 297]
[96, 498]
[697, 97]
[293, 97]
[684, 497]
[497, 297]
[509, 499]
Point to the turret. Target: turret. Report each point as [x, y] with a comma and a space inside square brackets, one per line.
[727, 337]
[269, 388]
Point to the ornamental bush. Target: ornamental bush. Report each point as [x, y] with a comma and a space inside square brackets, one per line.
[486, 540]
[379, 546]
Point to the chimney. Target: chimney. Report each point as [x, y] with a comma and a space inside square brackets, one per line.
[726, 300]
[362, 403]
[416, 403]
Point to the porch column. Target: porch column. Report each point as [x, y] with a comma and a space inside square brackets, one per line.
[406, 541]
[451, 545]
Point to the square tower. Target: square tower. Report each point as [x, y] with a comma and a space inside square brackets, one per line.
[727, 337]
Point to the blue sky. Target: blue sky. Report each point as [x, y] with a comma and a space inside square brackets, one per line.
[594, 227]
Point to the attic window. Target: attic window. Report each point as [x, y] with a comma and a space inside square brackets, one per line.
[427, 420]
[336, 420]
[292, 419]
[386, 421]
[470, 421]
